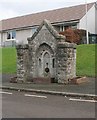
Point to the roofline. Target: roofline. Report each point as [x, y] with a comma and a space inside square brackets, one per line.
[25, 27]
[88, 10]
[53, 23]
[62, 22]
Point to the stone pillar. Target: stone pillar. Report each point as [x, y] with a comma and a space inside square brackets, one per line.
[66, 67]
[22, 62]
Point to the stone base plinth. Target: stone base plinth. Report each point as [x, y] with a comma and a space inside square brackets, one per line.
[41, 80]
[78, 80]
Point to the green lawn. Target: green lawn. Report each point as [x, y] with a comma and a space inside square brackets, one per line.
[85, 64]
[8, 60]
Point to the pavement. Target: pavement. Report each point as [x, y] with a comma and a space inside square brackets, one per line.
[86, 89]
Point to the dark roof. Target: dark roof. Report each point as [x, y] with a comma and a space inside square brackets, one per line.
[58, 15]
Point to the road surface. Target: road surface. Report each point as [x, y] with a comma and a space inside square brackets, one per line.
[16, 104]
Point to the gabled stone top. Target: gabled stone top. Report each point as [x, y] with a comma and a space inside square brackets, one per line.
[50, 28]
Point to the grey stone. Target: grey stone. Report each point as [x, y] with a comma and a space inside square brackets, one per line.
[46, 49]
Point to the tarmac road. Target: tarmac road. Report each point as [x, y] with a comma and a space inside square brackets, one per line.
[17, 104]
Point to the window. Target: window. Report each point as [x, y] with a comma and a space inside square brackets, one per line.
[74, 26]
[60, 28]
[92, 38]
[8, 35]
[11, 35]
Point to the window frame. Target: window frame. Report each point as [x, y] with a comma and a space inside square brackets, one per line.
[11, 34]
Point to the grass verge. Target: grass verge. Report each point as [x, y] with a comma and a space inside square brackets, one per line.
[8, 60]
[85, 63]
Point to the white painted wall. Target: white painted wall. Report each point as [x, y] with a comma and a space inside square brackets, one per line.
[22, 35]
[4, 39]
[90, 21]
[96, 19]
[4, 36]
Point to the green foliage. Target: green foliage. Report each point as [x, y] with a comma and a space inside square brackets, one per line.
[85, 64]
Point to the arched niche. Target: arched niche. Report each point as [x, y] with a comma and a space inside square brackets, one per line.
[45, 59]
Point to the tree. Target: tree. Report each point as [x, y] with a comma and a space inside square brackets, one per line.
[74, 35]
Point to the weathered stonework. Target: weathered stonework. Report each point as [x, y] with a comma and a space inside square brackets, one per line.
[47, 55]
[66, 62]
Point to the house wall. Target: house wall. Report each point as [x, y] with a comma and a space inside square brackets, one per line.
[90, 21]
[6, 42]
[96, 18]
[4, 38]
[22, 35]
